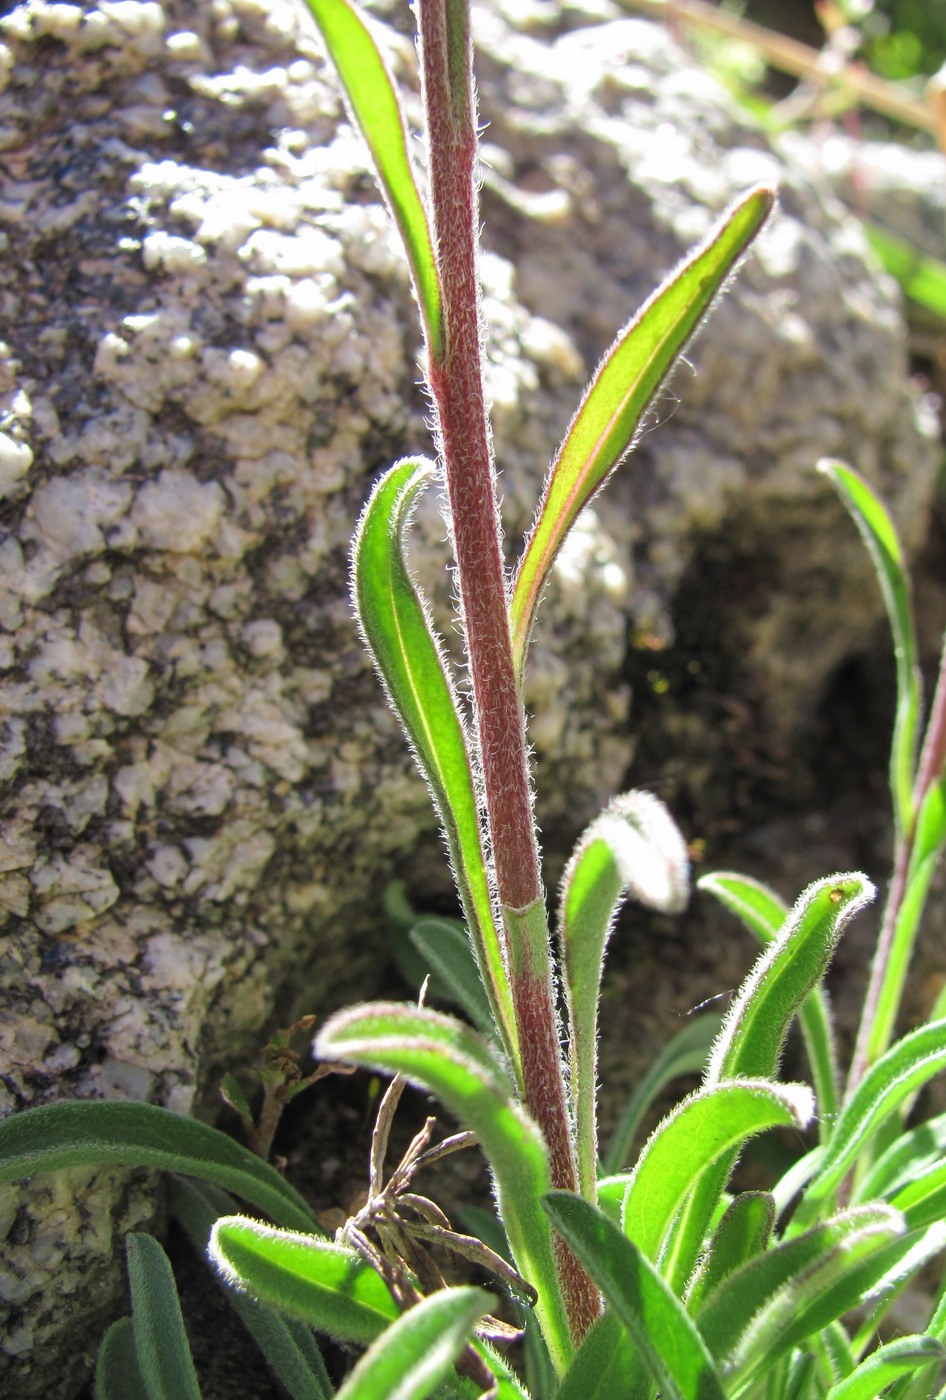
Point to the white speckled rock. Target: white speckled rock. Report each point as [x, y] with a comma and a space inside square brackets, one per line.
[210, 352]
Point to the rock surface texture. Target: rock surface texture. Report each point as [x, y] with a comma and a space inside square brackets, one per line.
[208, 353]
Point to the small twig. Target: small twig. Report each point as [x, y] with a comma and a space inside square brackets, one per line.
[799, 60]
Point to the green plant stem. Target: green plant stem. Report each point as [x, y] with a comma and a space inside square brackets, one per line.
[889, 965]
[457, 384]
[933, 756]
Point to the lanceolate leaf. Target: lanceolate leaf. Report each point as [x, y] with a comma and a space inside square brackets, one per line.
[609, 417]
[396, 626]
[905, 1068]
[164, 1356]
[117, 1373]
[445, 948]
[704, 1127]
[634, 848]
[324, 1284]
[764, 914]
[605, 1366]
[910, 1155]
[866, 1266]
[753, 1033]
[878, 532]
[728, 1310]
[94, 1133]
[416, 1352]
[795, 1291]
[288, 1345]
[743, 1233]
[876, 1372]
[685, 1053]
[376, 110]
[667, 1339]
[451, 1061]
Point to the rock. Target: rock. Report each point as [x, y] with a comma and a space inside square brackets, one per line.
[211, 352]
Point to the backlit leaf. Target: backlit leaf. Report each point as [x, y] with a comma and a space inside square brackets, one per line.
[377, 113]
[395, 623]
[448, 1059]
[326, 1285]
[660, 1327]
[609, 417]
[413, 1354]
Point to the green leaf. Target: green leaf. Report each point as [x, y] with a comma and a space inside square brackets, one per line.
[906, 1067]
[754, 1031]
[445, 948]
[748, 1325]
[873, 1375]
[288, 1345]
[922, 278]
[610, 414]
[764, 913]
[605, 1366]
[395, 623]
[117, 1373]
[164, 1356]
[743, 1232]
[377, 113]
[728, 1310]
[449, 1060]
[686, 1053]
[231, 1091]
[665, 1335]
[634, 848]
[115, 1133]
[324, 1284]
[909, 1155]
[879, 534]
[416, 1352]
[706, 1126]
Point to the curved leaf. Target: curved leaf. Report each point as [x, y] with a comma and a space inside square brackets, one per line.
[115, 1133]
[910, 1155]
[754, 1031]
[633, 848]
[164, 1355]
[288, 1345]
[866, 1266]
[451, 1061]
[906, 1067]
[608, 419]
[728, 1310]
[877, 530]
[685, 1053]
[764, 913]
[605, 1366]
[377, 113]
[445, 948]
[395, 624]
[706, 1126]
[743, 1233]
[324, 1284]
[409, 1359]
[117, 1372]
[665, 1335]
[875, 1373]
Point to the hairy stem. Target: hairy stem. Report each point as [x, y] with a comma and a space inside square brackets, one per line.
[880, 1006]
[456, 381]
